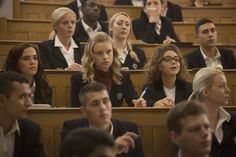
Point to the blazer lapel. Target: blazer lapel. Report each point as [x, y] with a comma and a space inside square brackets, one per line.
[201, 60]
[58, 54]
[227, 130]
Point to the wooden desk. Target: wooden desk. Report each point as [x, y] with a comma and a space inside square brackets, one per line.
[39, 30]
[152, 125]
[43, 10]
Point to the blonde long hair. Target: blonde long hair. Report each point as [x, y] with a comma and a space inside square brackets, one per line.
[203, 80]
[129, 46]
[88, 65]
[56, 18]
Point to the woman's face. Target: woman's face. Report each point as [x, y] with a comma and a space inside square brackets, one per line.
[121, 27]
[66, 27]
[152, 5]
[103, 55]
[170, 63]
[28, 62]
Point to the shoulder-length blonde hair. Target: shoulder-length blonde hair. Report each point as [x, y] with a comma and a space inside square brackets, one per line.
[203, 80]
[88, 64]
[153, 66]
[129, 46]
[56, 17]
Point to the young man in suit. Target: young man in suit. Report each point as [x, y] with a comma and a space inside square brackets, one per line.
[87, 142]
[96, 105]
[88, 25]
[190, 129]
[76, 7]
[208, 54]
[19, 137]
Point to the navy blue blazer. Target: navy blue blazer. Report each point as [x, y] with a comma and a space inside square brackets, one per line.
[228, 146]
[52, 58]
[131, 63]
[82, 36]
[119, 128]
[156, 92]
[117, 94]
[73, 6]
[196, 60]
[28, 143]
[145, 31]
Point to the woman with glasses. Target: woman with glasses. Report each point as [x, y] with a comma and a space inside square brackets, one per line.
[166, 73]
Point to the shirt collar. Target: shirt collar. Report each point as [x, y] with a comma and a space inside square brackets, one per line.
[58, 43]
[90, 29]
[206, 58]
[224, 115]
[78, 3]
[110, 131]
[15, 128]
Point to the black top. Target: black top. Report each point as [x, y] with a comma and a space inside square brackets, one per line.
[196, 60]
[73, 6]
[52, 57]
[227, 148]
[27, 144]
[156, 92]
[131, 63]
[117, 94]
[146, 31]
[43, 96]
[82, 36]
[119, 129]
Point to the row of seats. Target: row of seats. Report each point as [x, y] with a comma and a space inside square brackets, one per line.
[152, 126]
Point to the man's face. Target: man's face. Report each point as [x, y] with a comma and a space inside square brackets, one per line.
[103, 151]
[98, 108]
[207, 35]
[195, 136]
[91, 10]
[17, 104]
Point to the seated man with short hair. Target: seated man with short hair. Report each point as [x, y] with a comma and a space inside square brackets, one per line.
[97, 107]
[18, 137]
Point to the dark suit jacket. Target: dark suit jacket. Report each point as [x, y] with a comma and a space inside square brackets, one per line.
[52, 58]
[146, 31]
[119, 128]
[28, 143]
[73, 6]
[196, 60]
[155, 92]
[174, 11]
[131, 63]
[82, 36]
[117, 94]
[228, 146]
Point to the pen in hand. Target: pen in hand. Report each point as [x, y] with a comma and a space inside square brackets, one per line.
[144, 91]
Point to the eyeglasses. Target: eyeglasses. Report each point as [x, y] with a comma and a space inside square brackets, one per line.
[170, 59]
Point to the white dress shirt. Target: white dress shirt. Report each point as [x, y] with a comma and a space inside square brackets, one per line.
[90, 30]
[212, 61]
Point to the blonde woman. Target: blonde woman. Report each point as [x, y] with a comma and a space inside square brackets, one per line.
[131, 57]
[100, 63]
[61, 51]
[166, 73]
[211, 89]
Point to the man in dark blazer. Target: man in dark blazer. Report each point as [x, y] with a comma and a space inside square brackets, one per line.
[74, 6]
[208, 54]
[19, 137]
[189, 129]
[97, 107]
[89, 24]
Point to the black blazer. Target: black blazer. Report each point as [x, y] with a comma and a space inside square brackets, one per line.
[117, 94]
[146, 32]
[196, 60]
[156, 92]
[119, 128]
[73, 6]
[131, 63]
[82, 36]
[123, 2]
[174, 12]
[28, 143]
[52, 58]
[228, 146]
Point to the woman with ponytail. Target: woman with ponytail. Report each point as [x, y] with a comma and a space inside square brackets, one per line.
[119, 28]
[61, 51]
